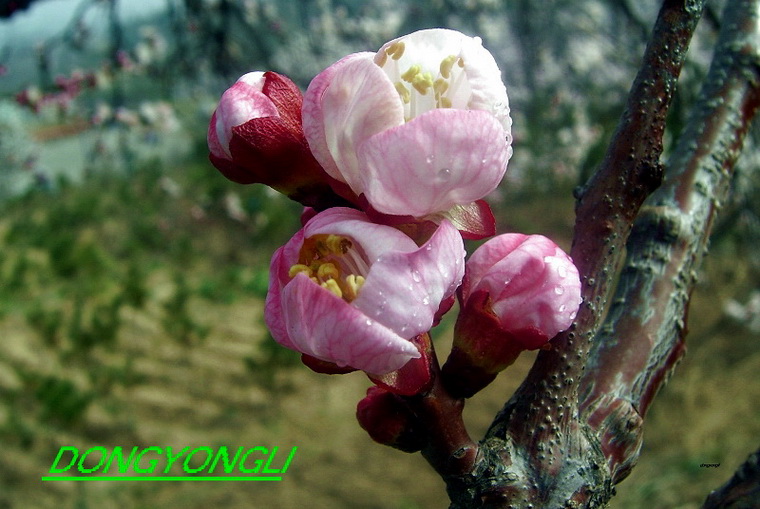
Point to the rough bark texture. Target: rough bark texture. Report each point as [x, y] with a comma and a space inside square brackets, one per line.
[568, 435]
[643, 337]
[539, 452]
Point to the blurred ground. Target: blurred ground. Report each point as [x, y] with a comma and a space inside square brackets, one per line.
[130, 314]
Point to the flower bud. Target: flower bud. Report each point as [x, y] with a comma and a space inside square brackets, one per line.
[518, 292]
[389, 421]
[255, 136]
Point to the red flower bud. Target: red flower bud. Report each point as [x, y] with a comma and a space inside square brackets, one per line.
[255, 136]
[389, 421]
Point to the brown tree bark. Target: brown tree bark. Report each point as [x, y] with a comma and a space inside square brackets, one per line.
[573, 428]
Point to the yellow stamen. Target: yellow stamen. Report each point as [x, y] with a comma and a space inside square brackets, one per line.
[337, 244]
[444, 102]
[333, 287]
[404, 92]
[331, 262]
[396, 50]
[446, 66]
[328, 271]
[423, 82]
[411, 73]
[440, 86]
[299, 268]
[354, 283]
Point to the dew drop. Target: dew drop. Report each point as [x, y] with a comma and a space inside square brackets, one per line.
[562, 271]
[444, 174]
[430, 159]
[559, 290]
[416, 276]
[368, 322]
[425, 300]
[562, 308]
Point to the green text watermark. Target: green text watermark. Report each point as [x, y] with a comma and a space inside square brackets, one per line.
[167, 464]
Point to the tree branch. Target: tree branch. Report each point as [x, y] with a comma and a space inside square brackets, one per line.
[742, 490]
[643, 338]
[539, 452]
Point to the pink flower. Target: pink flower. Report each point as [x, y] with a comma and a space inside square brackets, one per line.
[533, 287]
[255, 136]
[355, 293]
[418, 128]
[518, 292]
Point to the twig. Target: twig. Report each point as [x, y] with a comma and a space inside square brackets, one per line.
[742, 490]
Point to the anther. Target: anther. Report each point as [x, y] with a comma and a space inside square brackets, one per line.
[328, 271]
[411, 73]
[299, 268]
[333, 287]
[423, 82]
[354, 283]
[396, 50]
[337, 244]
[403, 92]
[446, 66]
[440, 86]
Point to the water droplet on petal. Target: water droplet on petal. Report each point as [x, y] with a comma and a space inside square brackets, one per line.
[562, 308]
[368, 322]
[562, 271]
[430, 159]
[425, 302]
[416, 276]
[559, 290]
[444, 174]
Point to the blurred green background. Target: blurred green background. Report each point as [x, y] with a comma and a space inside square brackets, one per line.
[132, 274]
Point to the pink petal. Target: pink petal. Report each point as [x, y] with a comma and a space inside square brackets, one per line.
[485, 257]
[239, 104]
[403, 291]
[344, 105]
[374, 239]
[326, 327]
[430, 164]
[274, 317]
[534, 285]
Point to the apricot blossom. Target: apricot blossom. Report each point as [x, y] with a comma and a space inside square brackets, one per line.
[355, 293]
[421, 127]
